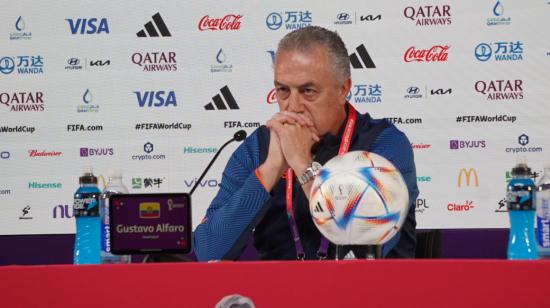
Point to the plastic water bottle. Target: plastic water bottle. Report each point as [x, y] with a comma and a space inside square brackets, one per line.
[542, 197]
[86, 213]
[521, 209]
[115, 186]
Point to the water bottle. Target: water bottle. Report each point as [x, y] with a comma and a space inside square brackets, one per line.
[542, 198]
[115, 186]
[521, 209]
[86, 213]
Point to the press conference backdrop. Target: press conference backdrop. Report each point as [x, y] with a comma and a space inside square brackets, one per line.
[155, 87]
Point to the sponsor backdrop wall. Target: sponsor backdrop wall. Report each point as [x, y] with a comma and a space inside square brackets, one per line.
[155, 87]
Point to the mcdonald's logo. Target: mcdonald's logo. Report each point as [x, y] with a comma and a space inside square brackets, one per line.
[468, 175]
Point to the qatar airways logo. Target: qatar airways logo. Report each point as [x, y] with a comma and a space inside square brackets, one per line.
[228, 22]
[437, 53]
[500, 89]
[429, 15]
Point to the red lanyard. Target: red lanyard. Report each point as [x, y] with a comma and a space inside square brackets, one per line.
[344, 147]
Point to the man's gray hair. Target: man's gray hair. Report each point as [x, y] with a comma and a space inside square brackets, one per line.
[307, 38]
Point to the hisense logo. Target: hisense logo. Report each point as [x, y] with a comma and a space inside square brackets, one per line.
[36, 185]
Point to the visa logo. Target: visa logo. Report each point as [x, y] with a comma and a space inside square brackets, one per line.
[88, 25]
[156, 98]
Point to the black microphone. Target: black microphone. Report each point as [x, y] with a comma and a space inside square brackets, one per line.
[238, 136]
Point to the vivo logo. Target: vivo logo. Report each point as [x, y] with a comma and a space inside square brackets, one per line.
[203, 183]
[62, 211]
[156, 98]
[88, 25]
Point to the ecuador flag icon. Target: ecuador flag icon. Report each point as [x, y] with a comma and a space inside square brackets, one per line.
[149, 210]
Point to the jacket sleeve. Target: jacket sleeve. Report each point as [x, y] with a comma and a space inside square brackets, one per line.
[396, 147]
[238, 201]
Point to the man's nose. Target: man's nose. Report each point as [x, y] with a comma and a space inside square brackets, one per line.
[294, 102]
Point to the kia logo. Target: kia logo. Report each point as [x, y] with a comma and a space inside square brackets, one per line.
[73, 61]
[4, 155]
[342, 16]
[413, 90]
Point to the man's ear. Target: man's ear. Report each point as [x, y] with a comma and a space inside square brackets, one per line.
[344, 90]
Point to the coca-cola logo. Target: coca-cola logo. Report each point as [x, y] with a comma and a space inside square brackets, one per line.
[228, 22]
[437, 53]
[272, 96]
[43, 153]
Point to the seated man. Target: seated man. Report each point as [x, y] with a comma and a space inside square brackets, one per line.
[314, 124]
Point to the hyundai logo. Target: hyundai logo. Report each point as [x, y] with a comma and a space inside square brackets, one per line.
[73, 61]
[483, 52]
[274, 21]
[342, 16]
[4, 155]
[413, 90]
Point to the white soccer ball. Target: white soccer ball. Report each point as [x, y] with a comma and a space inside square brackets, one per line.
[359, 198]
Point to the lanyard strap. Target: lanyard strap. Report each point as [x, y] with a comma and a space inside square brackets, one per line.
[289, 176]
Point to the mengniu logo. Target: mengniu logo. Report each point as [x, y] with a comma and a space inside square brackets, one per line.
[436, 53]
[468, 205]
[496, 90]
[228, 22]
[367, 62]
[499, 19]
[222, 66]
[219, 104]
[468, 177]
[500, 51]
[154, 27]
[271, 97]
[62, 211]
[148, 182]
[82, 26]
[363, 93]
[20, 27]
[22, 101]
[292, 20]
[25, 65]
[157, 61]
[36, 153]
[94, 152]
[429, 15]
[87, 99]
[159, 98]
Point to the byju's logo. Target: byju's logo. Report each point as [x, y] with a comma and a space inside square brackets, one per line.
[365, 57]
[500, 89]
[152, 31]
[467, 144]
[88, 25]
[219, 103]
[156, 98]
[26, 213]
[228, 22]
[23, 101]
[222, 66]
[429, 15]
[499, 19]
[523, 139]
[156, 61]
[363, 93]
[20, 27]
[503, 51]
[343, 19]
[436, 53]
[26, 65]
[139, 183]
[62, 211]
[148, 148]
[292, 20]
[466, 176]
[87, 99]
[93, 152]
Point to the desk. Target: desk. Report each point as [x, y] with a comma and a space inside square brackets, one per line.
[364, 283]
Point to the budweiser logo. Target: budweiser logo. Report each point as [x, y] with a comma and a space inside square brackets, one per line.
[228, 22]
[36, 153]
[437, 53]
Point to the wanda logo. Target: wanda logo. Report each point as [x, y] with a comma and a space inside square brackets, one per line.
[228, 22]
[437, 53]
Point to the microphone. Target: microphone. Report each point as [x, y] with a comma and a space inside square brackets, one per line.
[238, 136]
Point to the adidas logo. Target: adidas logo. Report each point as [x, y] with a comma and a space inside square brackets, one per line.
[152, 31]
[367, 61]
[219, 103]
[318, 208]
[350, 256]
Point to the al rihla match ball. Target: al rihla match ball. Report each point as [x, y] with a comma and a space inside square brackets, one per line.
[359, 198]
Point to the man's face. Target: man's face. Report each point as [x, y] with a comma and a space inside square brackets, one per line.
[306, 84]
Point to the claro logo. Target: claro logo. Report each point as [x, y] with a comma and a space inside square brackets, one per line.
[467, 174]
